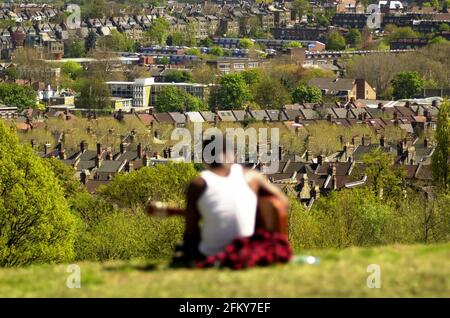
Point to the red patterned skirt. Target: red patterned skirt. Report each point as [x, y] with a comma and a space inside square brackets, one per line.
[262, 248]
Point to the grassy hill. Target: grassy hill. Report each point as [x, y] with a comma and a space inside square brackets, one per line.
[406, 271]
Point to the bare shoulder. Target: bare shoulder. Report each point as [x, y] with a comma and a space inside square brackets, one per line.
[196, 186]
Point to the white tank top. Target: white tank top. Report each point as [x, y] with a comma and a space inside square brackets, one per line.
[228, 210]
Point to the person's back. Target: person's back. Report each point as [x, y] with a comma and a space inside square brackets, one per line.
[228, 209]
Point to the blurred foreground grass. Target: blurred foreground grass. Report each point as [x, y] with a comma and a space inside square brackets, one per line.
[406, 271]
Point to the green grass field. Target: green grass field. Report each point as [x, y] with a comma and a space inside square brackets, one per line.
[406, 271]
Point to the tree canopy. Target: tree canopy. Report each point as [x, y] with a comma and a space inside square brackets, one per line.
[233, 92]
[36, 224]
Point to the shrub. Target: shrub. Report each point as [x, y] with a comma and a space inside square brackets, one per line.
[125, 235]
[36, 225]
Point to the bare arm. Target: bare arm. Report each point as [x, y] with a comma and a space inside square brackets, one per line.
[259, 183]
[192, 228]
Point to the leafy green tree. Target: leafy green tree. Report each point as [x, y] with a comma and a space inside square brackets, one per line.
[336, 42]
[94, 93]
[177, 76]
[72, 69]
[440, 160]
[307, 94]
[353, 37]
[407, 84]
[245, 43]
[233, 92]
[66, 177]
[193, 51]
[117, 41]
[18, 96]
[351, 217]
[94, 9]
[251, 76]
[385, 180]
[294, 44]
[394, 33]
[75, 49]
[172, 99]
[301, 7]
[444, 27]
[90, 41]
[36, 225]
[162, 182]
[438, 40]
[270, 93]
[158, 31]
[216, 50]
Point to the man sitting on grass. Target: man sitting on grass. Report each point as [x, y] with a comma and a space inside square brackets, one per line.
[223, 227]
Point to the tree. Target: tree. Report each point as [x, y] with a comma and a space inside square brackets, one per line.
[245, 43]
[270, 93]
[177, 76]
[172, 99]
[204, 74]
[251, 76]
[294, 44]
[18, 96]
[117, 41]
[72, 69]
[301, 8]
[440, 160]
[385, 180]
[353, 37]
[158, 31]
[36, 225]
[407, 84]
[75, 49]
[163, 182]
[94, 94]
[307, 94]
[94, 9]
[394, 33]
[193, 51]
[336, 42]
[233, 92]
[438, 40]
[90, 41]
[216, 50]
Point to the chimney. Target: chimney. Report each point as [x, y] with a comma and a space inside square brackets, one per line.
[395, 115]
[319, 159]
[280, 152]
[83, 177]
[109, 155]
[130, 166]
[334, 182]
[139, 150]
[400, 148]
[408, 104]
[145, 160]
[98, 161]
[46, 148]
[169, 152]
[329, 117]
[365, 140]
[122, 148]
[380, 105]
[62, 154]
[83, 146]
[150, 111]
[382, 141]
[99, 149]
[307, 155]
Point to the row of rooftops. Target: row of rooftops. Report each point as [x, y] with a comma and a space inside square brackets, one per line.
[352, 112]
